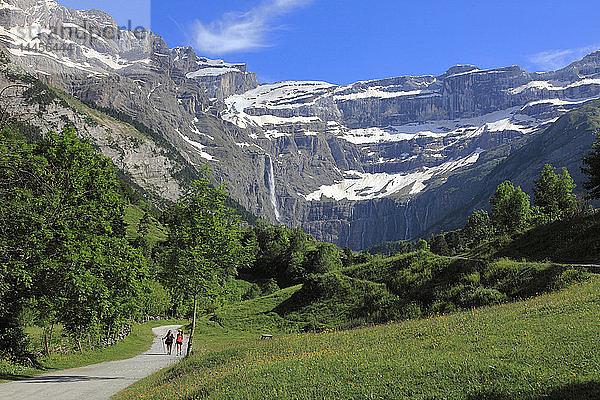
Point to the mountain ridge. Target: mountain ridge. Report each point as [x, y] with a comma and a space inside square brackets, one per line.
[346, 163]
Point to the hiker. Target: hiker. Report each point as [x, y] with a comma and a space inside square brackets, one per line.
[169, 341]
[179, 341]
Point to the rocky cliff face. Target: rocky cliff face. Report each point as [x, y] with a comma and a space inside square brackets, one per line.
[147, 164]
[352, 164]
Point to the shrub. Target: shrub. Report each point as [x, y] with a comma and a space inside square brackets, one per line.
[270, 287]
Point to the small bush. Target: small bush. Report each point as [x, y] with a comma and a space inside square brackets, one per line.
[570, 276]
[251, 292]
[270, 287]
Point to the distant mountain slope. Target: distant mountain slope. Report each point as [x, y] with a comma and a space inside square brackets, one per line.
[354, 165]
[148, 164]
[144, 161]
[562, 144]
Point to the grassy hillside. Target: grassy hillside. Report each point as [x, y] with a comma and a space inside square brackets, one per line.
[573, 240]
[541, 348]
[414, 285]
[133, 214]
[257, 315]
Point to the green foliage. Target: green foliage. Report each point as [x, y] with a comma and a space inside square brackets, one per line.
[439, 245]
[155, 299]
[63, 252]
[238, 290]
[270, 287]
[290, 255]
[143, 230]
[422, 245]
[569, 240]
[541, 348]
[135, 343]
[479, 228]
[40, 94]
[553, 193]
[254, 316]
[510, 208]
[591, 167]
[413, 285]
[325, 258]
[347, 257]
[205, 244]
[449, 243]
[522, 279]
[390, 248]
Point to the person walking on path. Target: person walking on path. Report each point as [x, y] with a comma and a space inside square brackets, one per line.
[179, 341]
[92, 382]
[169, 341]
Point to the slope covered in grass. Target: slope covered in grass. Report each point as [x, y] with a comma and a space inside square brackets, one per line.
[541, 348]
[133, 215]
[572, 240]
[414, 285]
[257, 315]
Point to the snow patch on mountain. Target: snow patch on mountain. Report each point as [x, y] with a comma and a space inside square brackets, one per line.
[554, 86]
[365, 186]
[377, 92]
[211, 71]
[468, 127]
[199, 147]
[212, 68]
[278, 96]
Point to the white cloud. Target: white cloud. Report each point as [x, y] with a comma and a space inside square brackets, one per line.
[244, 31]
[556, 59]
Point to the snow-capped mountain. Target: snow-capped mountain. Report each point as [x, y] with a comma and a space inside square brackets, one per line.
[409, 130]
[347, 163]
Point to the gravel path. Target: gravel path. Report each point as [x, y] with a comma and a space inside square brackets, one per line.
[94, 382]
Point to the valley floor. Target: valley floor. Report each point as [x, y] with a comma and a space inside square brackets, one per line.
[545, 347]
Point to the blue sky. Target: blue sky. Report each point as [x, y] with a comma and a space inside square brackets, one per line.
[342, 41]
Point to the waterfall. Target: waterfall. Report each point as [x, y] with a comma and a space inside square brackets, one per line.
[270, 179]
[407, 220]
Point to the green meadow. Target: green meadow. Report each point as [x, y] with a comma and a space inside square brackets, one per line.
[543, 347]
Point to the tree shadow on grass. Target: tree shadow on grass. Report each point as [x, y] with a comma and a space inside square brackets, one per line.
[574, 391]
